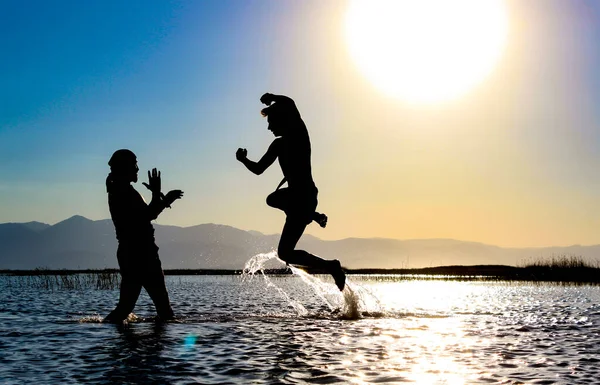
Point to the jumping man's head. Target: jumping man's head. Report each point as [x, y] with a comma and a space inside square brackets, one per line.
[123, 165]
[282, 117]
[276, 119]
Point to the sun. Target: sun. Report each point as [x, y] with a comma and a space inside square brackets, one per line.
[426, 51]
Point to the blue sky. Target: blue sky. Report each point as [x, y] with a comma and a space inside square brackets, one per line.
[83, 79]
[514, 162]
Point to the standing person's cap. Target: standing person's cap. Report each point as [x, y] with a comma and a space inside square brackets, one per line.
[122, 157]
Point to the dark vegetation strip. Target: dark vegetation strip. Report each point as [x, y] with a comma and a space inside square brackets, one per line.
[568, 269]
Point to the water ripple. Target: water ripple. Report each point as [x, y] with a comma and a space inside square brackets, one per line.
[235, 330]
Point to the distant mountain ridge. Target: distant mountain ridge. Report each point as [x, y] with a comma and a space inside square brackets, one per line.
[81, 243]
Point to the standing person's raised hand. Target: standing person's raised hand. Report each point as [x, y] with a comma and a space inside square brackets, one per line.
[154, 183]
[172, 196]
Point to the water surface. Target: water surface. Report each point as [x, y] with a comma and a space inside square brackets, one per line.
[271, 330]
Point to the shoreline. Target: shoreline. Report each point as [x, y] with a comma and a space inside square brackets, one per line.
[459, 273]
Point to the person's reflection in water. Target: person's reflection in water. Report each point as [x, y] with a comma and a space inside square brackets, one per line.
[137, 253]
[299, 200]
[137, 355]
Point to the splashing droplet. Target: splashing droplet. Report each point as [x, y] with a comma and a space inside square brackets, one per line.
[351, 309]
[355, 298]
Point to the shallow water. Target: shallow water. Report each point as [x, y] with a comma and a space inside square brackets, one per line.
[271, 330]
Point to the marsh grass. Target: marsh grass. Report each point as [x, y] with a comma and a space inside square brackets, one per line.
[564, 268]
[47, 279]
[561, 270]
[563, 262]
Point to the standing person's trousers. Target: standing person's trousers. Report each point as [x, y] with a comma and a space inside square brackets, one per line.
[141, 268]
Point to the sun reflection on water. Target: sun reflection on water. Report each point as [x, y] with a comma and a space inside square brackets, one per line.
[415, 345]
[244, 331]
[433, 297]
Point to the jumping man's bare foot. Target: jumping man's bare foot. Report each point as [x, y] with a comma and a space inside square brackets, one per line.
[321, 219]
[338, 274]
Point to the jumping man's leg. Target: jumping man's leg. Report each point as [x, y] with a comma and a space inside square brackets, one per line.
[280, 199]
[292, 231]
[129, 293]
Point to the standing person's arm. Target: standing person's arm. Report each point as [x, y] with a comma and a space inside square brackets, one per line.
[265, 162]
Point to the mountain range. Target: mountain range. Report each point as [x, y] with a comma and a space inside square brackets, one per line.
[81, 243]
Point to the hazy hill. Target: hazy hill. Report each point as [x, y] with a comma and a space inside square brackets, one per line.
[36, 226]
[81, 243]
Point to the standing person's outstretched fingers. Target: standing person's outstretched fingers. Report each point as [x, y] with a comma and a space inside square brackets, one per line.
[173, 195]
[154, 183]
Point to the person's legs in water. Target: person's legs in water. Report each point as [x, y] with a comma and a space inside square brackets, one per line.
[154, 283]
[280, 199]
[292, 231]
[129, 293]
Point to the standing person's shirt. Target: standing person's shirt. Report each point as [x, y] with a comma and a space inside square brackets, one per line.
[132, 216]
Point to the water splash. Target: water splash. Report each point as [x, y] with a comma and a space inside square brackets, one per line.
[367, 302]
[355, 302]
[325, 291]
[100, 319]
[351, 310]
[256, 264]
[91, 319]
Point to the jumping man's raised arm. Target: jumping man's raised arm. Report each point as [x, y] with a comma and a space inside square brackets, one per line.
[270, 98]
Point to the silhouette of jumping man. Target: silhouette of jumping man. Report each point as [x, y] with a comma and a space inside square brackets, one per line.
[137, 252]
[299, 200]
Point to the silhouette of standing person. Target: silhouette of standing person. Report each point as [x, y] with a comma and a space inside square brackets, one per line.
[137, 252]
[299, 200]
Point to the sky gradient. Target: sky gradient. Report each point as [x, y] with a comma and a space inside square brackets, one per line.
[513, 162]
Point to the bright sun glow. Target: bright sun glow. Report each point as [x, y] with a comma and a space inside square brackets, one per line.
[426, 51]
